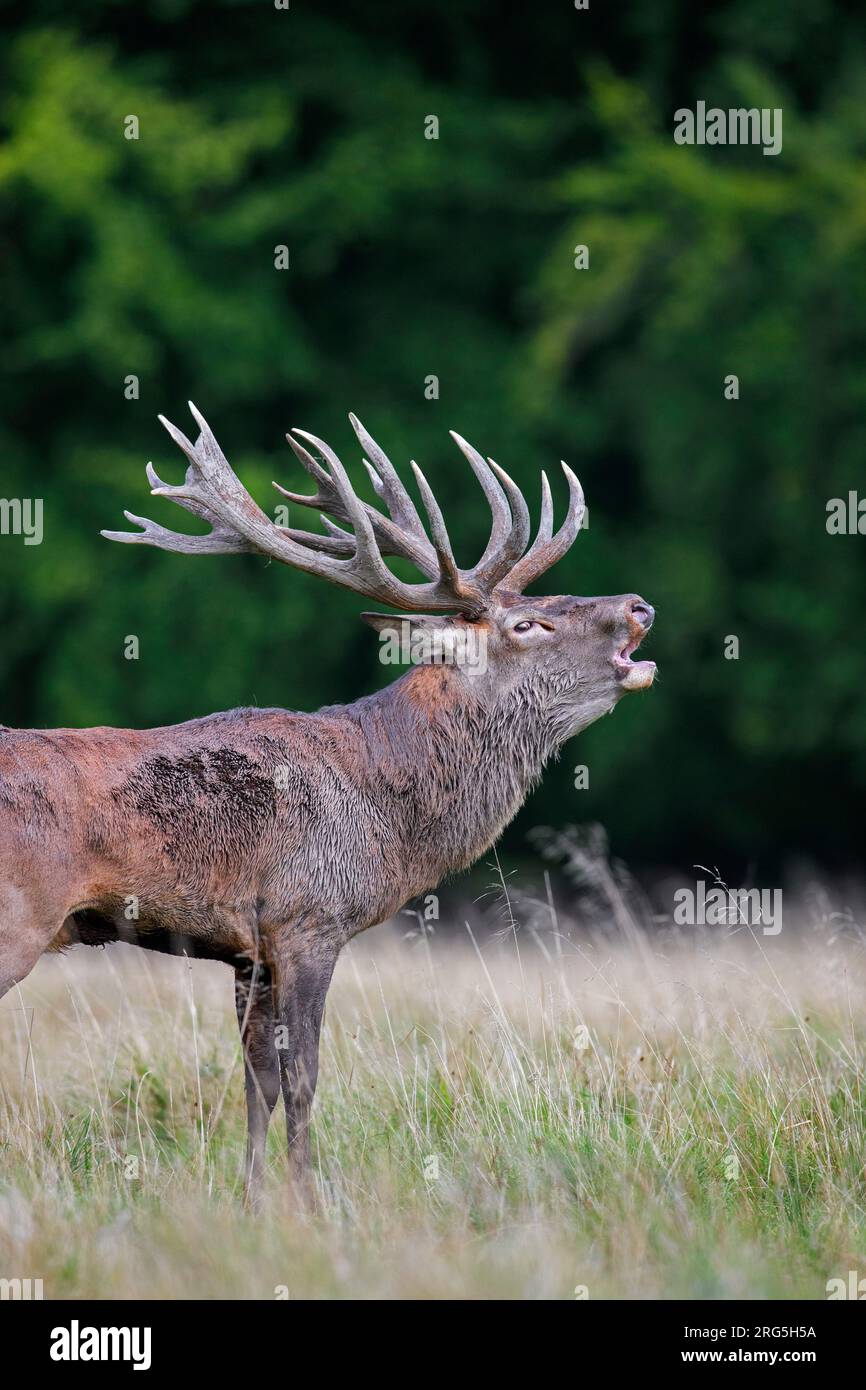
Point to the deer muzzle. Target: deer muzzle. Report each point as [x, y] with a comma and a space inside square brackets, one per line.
[635, 675]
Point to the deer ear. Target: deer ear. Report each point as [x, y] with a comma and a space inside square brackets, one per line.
[423, 639]
[418, 622]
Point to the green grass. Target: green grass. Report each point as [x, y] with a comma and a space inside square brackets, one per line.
[703, 1139]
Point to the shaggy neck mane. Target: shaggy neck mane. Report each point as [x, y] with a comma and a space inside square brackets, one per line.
[449, 769]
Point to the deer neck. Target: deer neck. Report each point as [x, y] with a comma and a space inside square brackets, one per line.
[459, 767]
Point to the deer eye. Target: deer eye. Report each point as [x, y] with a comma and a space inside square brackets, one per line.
[524, 626]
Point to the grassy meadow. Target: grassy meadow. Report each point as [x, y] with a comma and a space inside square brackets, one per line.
[515, 1116]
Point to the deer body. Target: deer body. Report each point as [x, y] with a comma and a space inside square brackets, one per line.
[266, 838]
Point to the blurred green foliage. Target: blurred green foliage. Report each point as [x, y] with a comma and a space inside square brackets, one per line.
[454, 257]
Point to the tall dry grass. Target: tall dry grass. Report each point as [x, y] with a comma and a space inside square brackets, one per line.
[660, 1116]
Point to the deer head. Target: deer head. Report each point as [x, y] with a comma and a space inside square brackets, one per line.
[569, 659]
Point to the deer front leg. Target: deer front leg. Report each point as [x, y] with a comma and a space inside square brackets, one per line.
[302, 980]
[28, 922]
[254, 1001]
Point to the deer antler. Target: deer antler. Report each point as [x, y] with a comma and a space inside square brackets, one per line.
[546, 549]
[353, 558]
[403, 534]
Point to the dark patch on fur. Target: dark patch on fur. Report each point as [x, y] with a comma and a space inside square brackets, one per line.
[29, 800]
[213, 801]
[96, 837]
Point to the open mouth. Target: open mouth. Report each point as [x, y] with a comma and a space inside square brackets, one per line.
[633, 675]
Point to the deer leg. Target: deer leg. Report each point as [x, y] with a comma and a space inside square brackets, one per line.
[302, 983]
[255, 1008]
[23, 935]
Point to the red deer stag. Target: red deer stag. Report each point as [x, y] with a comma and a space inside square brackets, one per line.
[267, 839]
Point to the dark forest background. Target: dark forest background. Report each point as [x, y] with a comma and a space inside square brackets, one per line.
[454, 257]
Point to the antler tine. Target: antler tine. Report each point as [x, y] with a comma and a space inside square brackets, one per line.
[313, 467]
[388, 484]
[392, 539]
[216, 542]
[378, 485]
[223, 489]
[341, 546]
[337, 542]
[510, 525]
[191, 504]
[546, 551]
[509, 550]
[210, 489]
[326, 494]
[332, 528]
[438, 530]
[499, 508]
[179, 438]
[366, 549]
[545, 522]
